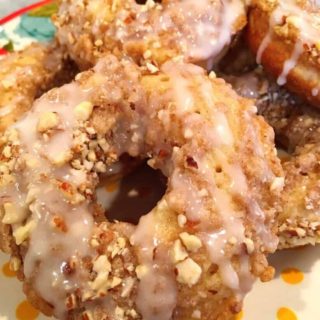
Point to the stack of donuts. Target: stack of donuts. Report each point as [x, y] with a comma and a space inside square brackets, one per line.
[192, 87]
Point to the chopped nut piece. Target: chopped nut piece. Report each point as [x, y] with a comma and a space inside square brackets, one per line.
[188, 133]
[277, 184]
[147, 54]
[121, 242]
[203, 193]
[232, 240]
[300, 232]
[152, 68]
[32, 194]
[128, 284]
[100, 167]
[249, 245]
[102, 264]
[87, 315]
[141, 271]
[94, 243]
[212, 75]
[13, 134]
[119, 313]
[98, 43]
[178, 252]
[189, 272]
[6, 179]
[22, 233]
[102, 267]
[294, 20]
[83, 110]
[71, 302]
[150, 4]
[182, 220]
[101, 282]
[13, 214]
[62, 158]
[7, 151]
[192, 242]
[115, 282]
[47, 121]
[92, 156]
[132, 313]
[15, 264]
[196, 314]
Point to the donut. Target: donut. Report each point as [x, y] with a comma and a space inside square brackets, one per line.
[299, 222]
[197, 252]
[25, 75]
[297, 129]
[284, 36]
[151, 33]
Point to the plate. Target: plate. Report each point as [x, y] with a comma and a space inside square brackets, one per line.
[292, 295]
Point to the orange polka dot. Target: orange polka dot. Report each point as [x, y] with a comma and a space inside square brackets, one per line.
[292, 275]
[25, 311]
[7, 271]
[286, 314]
[239, 316]
[112, 186]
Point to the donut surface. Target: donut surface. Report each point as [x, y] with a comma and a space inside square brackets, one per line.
[196, 31]
[284, 35]
[297, 129]
[197, 252]
[25, 75]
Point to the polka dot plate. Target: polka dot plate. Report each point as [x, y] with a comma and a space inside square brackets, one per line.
[292, 295]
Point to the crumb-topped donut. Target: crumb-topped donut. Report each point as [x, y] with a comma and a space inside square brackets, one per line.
[195, 30]
[197, 253]
[25, 75]
[297, 129]
[284, 34]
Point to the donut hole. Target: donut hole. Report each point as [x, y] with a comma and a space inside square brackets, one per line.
[138, 193]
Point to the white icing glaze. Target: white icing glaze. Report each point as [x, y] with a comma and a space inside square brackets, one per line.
[207, 34]
[290, 64]
[307, 23]
[157, 292]
[50, 248]
[185, 192]
[200, 29]
[53, 249]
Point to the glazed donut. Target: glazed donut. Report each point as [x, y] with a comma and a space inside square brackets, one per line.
[297, 129]
[299, 222]
[284, 34]
[197, 31]
[25, 75]
[197, 253]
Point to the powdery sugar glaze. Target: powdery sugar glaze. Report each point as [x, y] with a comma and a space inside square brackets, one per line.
[213, 213]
